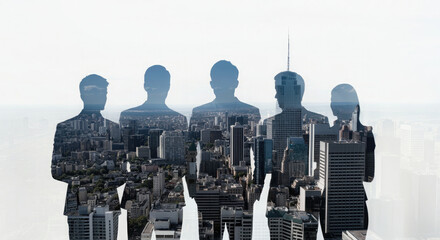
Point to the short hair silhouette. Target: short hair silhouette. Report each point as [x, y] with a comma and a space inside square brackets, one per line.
[224, 75]
[93, 90]
[224, 70]
[157, 77]
[344, 99]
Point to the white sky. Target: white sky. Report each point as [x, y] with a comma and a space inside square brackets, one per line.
[388, 50]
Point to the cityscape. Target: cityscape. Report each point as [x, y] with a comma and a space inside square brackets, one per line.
[223, 157]
[181, 120]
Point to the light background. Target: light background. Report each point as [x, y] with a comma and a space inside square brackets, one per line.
[388, 50]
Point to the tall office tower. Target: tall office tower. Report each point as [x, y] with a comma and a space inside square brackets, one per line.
[101, 224]
[258, 174]
[236, 145]
[318, 133]
[172, 146]
[153, 141]
[263, 149]
[294, 164]
[238, 222]
[341, 176]
[291, 225]
[158, 183]
[288, 123]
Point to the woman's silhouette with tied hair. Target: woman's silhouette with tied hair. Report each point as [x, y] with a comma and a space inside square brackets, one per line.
[345, 106]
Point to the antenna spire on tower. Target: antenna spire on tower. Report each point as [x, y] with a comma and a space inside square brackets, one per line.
[288, 51]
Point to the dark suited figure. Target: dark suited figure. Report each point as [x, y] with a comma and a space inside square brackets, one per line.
[345, 107]
[217, 118]
[289, 159]
[154, 113]
[154, 185]
[82, 157]
[224, 81]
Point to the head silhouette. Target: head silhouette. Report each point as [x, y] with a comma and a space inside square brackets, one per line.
[289, 88]
[224, 80]
[343, 102]
[93, 89]
[157, 84]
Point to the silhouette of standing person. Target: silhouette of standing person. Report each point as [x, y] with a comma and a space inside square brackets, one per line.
[345, 106]
[211, 123]
[81, 159]
[147, 192]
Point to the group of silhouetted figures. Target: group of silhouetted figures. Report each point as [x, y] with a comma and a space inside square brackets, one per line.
[153, 147]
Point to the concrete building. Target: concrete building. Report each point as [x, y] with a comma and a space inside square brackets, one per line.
[172, 146]
[291, 225]
[310, 199]
[316, 134]
[238, 222]
[100, 224]
[143, 152]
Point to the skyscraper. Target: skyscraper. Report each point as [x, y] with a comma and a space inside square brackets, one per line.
[236, 145]
[153, 141]
[341, 175]
[288, 123]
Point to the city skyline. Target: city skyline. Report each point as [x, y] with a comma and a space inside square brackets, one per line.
[386, 51]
